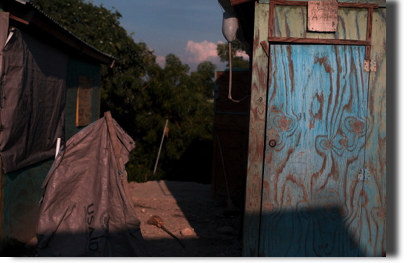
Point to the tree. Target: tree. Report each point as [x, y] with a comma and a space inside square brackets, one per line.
[237, 62]
[101, 28]
[183, 99]
[140, 94]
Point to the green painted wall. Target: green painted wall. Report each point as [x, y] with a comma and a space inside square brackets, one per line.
[22, 193]
[75, 69]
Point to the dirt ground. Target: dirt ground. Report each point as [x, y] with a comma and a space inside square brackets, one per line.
[202, 224]
[188, 211]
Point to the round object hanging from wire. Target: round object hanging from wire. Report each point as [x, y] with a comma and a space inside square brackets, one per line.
[229, 30]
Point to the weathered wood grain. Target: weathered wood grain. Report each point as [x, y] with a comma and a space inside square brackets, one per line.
[83, 117]
[291, 21]
[358, 5]
[265, 47]
[318, 41]
[316, 126]
[15, 18]
[256, 133]
[237, 2]
[291, 3]
[340, 2]
[373, 235]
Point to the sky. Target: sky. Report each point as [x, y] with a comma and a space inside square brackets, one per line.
[190, 29]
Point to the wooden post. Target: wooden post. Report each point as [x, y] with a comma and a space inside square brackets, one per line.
[257, 130]
[117, 152]
[160, 148]
[373, 240]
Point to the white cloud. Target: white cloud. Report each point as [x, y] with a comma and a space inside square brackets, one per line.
[242, 54]
[161, 61]
[199, 52]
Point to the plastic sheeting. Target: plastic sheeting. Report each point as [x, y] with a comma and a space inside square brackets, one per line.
[32, 98]
[85, 210]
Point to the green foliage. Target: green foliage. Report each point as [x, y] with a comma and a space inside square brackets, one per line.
[172, 94]
[237, 62]
[139, 93]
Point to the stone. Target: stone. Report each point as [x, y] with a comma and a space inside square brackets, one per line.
[187, 232]
[143, 210]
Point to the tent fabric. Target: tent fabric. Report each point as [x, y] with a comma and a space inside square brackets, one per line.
[32, 100]
[85, 210]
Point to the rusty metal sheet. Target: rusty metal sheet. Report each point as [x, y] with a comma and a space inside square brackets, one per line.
[323, 16]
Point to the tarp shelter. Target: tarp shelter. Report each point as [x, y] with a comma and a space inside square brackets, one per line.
[49, 89]
[85, 210]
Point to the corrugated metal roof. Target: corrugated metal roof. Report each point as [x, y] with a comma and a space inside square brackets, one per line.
[69, 32]
[66, 31]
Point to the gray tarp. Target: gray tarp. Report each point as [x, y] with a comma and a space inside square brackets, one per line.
[85, 210]
[32, 99]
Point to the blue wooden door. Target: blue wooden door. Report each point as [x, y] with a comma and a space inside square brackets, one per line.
[315, 144]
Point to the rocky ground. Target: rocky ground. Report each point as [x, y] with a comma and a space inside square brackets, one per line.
[204, 226]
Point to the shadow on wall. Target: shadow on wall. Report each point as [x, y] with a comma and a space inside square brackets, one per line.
[310, 232]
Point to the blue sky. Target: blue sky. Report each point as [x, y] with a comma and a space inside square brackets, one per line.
[190, 29]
